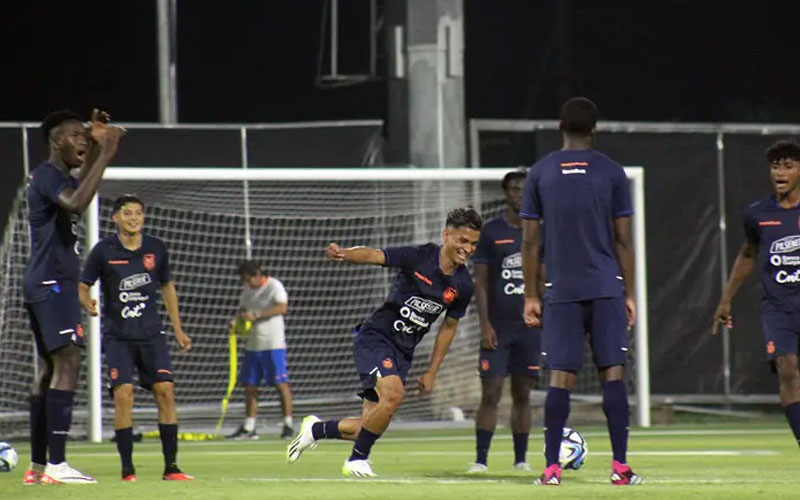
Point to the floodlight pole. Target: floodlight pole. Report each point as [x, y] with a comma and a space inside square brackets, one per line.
[167, 61]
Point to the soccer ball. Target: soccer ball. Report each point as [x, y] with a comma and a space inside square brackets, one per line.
[8, 457]
[572, 454]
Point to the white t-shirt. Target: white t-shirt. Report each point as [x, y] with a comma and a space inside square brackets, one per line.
[268, 333]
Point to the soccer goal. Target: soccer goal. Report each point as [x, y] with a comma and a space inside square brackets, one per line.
[284, 218]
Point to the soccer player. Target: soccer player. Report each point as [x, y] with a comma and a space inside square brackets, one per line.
[508, 346]
[432, 279]
[263, 302]
[132, 266]
[583, 197]
[772, 245]
[59, 189]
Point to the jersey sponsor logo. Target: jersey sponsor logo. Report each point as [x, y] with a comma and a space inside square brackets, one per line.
[512, 261]
[770, 347]
[126, 297]
[423, 278]
[134, 281]
[784, 260]
[136, 311]
[786, 244]
[449, 295]
[114, 374]
[507, 241]
[120, 262]
[413, 317]
[784, 277]
[512, 289]
[424, 305]
[769, 223]
[387, 363]
[149, 261]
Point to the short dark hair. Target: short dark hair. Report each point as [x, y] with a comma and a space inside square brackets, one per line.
[464, 217]
[511, 176]
[249, 268]
[124, 199]
[55, 119]
[578, 116]
[785, 149]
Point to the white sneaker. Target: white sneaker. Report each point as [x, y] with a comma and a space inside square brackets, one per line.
[522, 466]
[477, 468]
[358, 469]
[303, 441]
[63, 473]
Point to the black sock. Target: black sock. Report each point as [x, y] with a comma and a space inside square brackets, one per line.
[59, 419]
[520, 446]
[556, 412]
[38, 423]
[124, 438]
[326, 430]
[169, 443]
[615, 406]
[793, 416]
[363, 444]
[483, 440]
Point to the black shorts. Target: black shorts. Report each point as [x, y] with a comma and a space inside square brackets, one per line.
[377, 356]
[517, 353]
[56, 320]
[150, 358]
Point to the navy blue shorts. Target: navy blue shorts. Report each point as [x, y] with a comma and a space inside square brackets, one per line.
[150, 358]
[517, 352]
[566, 325]
[56, 320]
[269, 365]
[781, 329]
[376, 356]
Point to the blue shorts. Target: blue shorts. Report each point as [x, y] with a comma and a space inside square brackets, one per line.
[566, 325]
[517, 352]
[271, 365]
[376, 356]
[150, 358]
[56, 320]
[781, 330]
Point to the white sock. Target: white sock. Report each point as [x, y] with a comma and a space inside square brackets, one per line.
[36, 467]
[250, 424]
[287, 421]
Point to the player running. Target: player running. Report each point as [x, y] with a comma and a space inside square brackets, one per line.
[508, 346]
[56, 199]
[132, 266]
[583, 197]
[772, 236]
[432, 279]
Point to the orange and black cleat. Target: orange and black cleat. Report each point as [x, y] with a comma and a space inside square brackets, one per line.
[31, 477]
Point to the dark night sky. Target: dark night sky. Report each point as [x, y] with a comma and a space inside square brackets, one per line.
[255, 60]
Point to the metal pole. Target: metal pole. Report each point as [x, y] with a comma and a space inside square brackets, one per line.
[373, 35]
[334, 37]
[94, 378]
[248, 242]
[642, 329]
[167, 61]
[26, 165]
[723, 256]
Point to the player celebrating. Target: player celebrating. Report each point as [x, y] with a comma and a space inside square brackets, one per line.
[263, 302]
[508, 346]
[55, 201]
[584, 198]
[131, 265]
[432, 279]
[771, 234]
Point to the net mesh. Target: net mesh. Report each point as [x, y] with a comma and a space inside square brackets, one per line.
[290, 225]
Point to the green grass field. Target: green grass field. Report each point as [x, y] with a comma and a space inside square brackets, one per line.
[732, 461]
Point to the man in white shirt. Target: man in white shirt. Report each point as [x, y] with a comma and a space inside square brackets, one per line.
[263, 302]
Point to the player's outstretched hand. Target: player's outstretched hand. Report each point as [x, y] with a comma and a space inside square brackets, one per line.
[98, 124]
[630, 310]
[426, 383]
[91, 307]
[489, 338]
[533, 312]
[722, 316]
[335, 252]
[183, 341]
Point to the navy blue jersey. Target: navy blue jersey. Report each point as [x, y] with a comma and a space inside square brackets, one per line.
[578, 194]
[54, 234]
[420, 293]
[776, 231]
[129, 280]
[499, 249]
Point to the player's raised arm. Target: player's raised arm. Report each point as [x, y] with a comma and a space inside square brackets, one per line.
[356, 255]
[98, 121]
[742, 267]
[170, 296]
[444, 338]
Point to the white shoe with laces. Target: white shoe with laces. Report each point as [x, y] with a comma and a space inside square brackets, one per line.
[63, 473]
[477, 468]
[358, 469]
[303, 441]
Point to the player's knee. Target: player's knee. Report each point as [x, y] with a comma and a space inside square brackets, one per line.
[123, 396]
[490, 398]
[392, 395]
[163, 394]
[521, 398]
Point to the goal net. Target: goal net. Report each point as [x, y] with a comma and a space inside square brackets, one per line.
[208, 216]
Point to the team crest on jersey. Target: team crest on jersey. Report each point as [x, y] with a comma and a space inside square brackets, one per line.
[387, 363]
[449, 295]
[114, 374]
[484, 365]
[149, 261]
[79, 330]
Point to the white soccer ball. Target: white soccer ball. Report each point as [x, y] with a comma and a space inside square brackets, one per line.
[574, 449]
[8, 457]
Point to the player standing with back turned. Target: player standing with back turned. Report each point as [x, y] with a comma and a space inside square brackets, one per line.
[583, 197]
